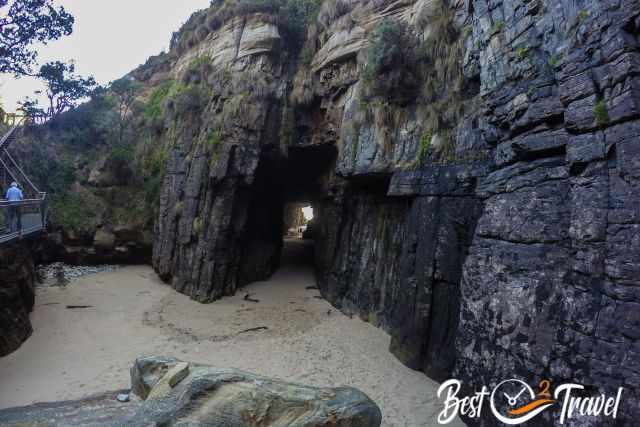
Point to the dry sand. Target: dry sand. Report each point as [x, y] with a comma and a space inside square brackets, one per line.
[74, 353]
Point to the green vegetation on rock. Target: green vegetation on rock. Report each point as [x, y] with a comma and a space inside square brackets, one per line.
[522, 52]
[386, 50]
[155, 166]
[391, 69]
[601, 113]
[497, 27]
[403, 67]
[153, 109]
[188, 98]
[74, 212]
[445, 91]
[213, 141]
[583, 15]
[555, 59]
[197, 226]
[122, 154]
[425, 144]
[199, 62]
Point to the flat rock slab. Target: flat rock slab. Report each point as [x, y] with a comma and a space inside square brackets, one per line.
[185, 394]
[97, 410]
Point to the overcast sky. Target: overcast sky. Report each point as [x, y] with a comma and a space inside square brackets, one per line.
[110, 38]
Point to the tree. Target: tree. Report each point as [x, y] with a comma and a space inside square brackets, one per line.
[124, 92]
[64, 89]
[24, 23]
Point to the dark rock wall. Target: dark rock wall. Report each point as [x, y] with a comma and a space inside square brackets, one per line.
[547, 287]
[523, 265]
[395, 258]
[17, 295]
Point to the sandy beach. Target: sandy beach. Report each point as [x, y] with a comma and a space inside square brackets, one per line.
[297, 336]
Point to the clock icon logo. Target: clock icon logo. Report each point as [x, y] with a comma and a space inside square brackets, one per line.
[514, 402]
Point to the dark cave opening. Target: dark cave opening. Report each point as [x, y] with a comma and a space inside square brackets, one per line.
[277, 233]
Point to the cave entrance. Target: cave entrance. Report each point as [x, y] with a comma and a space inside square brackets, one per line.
[288, 193]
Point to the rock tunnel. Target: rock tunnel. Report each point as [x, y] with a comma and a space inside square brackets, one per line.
[283, 185]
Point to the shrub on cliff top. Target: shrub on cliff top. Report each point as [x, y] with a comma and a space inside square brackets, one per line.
[332, 10]
[392, 60]
[388, 48]
[296, 15]
[180, 38]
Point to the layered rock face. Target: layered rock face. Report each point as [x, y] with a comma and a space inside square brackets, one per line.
[218, 228]
[503, 244]
[17, 296]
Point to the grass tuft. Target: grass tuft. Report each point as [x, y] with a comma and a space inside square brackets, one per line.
[497, 27]
[425, 145]
[601, 113]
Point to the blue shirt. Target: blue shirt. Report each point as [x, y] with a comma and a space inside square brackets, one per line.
[14, 194]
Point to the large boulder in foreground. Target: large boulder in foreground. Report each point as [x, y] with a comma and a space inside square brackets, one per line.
[177, 393]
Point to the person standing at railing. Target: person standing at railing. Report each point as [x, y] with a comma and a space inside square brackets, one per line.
[14, 194]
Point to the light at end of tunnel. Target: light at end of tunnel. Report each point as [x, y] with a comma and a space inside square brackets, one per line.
[308, 213]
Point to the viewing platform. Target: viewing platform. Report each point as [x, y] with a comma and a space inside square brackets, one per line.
[23, 218]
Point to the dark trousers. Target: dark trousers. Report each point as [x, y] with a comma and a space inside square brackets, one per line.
[15, 219]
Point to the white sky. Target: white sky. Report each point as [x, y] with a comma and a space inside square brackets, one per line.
[110, 38]
[308, 213]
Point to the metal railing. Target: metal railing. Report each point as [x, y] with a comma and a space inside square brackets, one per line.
[23, 218]
[11, 172]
